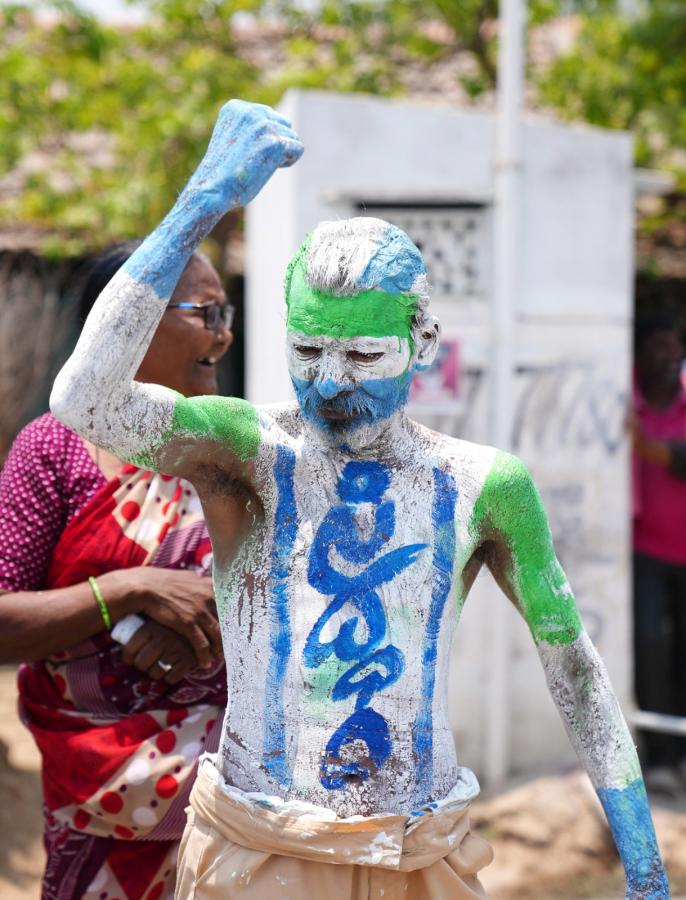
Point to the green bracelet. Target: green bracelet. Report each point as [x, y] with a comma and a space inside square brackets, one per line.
[97, 593]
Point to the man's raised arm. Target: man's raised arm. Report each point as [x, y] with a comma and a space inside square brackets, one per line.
[95, 392]
[509, 512]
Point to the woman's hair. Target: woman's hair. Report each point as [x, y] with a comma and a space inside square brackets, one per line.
[101, 271]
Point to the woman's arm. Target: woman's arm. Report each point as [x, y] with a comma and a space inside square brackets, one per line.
[35, 494]
[37, 624]
[95, 393]
[510, 514]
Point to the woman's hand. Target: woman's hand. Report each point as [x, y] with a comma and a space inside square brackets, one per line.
[153, 644]
[178, 599]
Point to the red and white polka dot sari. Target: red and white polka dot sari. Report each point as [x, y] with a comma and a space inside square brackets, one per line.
[120, 750]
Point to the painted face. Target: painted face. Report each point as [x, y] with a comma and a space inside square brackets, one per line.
[342, 384]
[350, 358]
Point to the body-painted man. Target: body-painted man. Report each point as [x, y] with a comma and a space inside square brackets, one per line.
[337, 774]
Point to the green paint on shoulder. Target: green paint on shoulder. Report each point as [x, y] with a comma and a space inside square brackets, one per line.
[510, 508]
[229, 420]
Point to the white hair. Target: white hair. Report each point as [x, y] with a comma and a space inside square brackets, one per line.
[349, 256]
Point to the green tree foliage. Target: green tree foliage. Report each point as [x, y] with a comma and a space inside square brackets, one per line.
[106, 123]
[101, 125]
[628, 71]
[371, 39]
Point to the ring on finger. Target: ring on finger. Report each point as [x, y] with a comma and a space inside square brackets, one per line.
[165, 666]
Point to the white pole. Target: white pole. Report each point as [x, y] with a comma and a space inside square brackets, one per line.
[508, 170]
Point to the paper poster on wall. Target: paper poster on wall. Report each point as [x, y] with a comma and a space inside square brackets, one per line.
[440, 384]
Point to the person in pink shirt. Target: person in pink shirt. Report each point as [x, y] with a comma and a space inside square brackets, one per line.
[659, 440]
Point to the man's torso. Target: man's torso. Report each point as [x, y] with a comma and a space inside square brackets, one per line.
[337, 619]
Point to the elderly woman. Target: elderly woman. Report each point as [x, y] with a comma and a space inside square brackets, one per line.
[88, 545]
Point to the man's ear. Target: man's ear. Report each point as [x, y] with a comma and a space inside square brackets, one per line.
[426, 341]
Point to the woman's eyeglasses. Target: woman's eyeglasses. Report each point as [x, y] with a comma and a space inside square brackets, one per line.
[214, 314]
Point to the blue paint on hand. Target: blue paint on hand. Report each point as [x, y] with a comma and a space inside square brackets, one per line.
[628, 815]
[248, 144]
[443, 519]
[274, 754]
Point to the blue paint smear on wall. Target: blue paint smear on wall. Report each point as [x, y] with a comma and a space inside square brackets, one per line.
[274, 753]
[628, 814]
[443, 519]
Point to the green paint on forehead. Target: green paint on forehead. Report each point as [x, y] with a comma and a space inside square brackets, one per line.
[367, 314]
[509, 508]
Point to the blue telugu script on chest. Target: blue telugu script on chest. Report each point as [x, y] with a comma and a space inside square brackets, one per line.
[360, 482]
[362, 640]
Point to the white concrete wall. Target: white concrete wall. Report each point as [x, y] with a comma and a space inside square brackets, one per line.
[572, 349]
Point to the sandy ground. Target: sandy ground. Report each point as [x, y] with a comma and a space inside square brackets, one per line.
[21, 850]
[550, 840]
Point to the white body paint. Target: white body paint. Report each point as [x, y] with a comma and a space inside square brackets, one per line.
[96, 395]
[465, 790]
[102, 402]
[311, 715]
[335, 362]
[580, 686]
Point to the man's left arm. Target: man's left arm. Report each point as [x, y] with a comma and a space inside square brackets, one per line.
[510, 515]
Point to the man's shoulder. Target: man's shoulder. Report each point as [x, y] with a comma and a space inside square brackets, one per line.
[454, 454]
[282, 417]
[481, 472]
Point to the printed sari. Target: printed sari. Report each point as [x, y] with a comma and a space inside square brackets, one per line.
[120, 751]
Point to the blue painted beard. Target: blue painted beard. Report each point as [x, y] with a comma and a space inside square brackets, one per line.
[371, 402]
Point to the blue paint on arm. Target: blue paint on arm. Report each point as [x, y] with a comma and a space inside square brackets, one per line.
[443, 519]
[275, 755]
[164, 254]
[628, 815]
[249, 142]
[395, 265]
